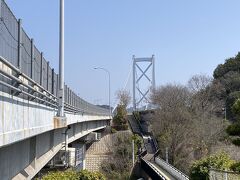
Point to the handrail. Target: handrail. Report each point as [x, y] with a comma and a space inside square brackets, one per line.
[154, 168]
[3, 60]
[166, 165]
[49, 98]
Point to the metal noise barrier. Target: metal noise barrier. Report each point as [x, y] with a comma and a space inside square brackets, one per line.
[19, 54]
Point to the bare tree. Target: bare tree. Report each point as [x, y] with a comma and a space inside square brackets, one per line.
[124, 97]
[186, 121]
[205, 106]
[172, 122]
[199, 83]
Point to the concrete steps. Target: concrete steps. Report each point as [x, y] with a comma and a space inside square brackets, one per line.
[134, 125]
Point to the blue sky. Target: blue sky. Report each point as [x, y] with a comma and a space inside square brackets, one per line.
[187, 37]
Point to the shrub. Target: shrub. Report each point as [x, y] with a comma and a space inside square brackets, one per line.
[137, 140]
[235, 167]
[113, 130]
[121, 127]
[200, 169]
[236, 141]
[87, 175]
[234, 129]
[73, 175]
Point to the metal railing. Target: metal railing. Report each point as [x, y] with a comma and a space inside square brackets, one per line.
[170, 169]
[151, 170]
[24, 71]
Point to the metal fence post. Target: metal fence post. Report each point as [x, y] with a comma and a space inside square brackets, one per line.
[57, 86]
[19, 43]
[41, 71]
[53, 81]
[71, 97]
[166, 154]
[68, 95]
[74, 100]
[226, 176]
[47, 75]
[0, 10]
[32, 57]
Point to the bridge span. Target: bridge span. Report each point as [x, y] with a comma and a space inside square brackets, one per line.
[30, 132]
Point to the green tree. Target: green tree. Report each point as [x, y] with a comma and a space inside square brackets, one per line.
[200, 169]
[228, 75]
[233, 130]
[120, 121]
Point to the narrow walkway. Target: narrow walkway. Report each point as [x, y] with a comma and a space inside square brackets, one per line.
[164, 172]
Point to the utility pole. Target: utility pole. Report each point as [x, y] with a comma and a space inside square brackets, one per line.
[133, 152]
[61, 61]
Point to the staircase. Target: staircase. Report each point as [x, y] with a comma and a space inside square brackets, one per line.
[134, 125]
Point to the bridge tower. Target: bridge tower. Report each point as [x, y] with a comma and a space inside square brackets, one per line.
[143, 73]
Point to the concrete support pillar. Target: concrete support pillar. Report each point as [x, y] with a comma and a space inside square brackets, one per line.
[32, 152]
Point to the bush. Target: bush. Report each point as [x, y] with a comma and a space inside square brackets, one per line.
[61, 175]
[73, 175]
[200, 169]
[87, 175]
[121, 127]
[113, 130]
[121, 117]
[236, 167]
[137, 140]
[234, 129]
[236, 141]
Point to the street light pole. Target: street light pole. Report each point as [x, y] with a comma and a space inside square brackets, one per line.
[61, 61]
[109, 88]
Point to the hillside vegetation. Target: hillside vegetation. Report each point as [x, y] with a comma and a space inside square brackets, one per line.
[194, 118]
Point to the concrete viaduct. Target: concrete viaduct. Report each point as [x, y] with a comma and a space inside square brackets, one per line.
[30, 133]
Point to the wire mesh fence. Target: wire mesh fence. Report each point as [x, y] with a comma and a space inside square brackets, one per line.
[18, 49]
[8, 34]
[223, 175]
